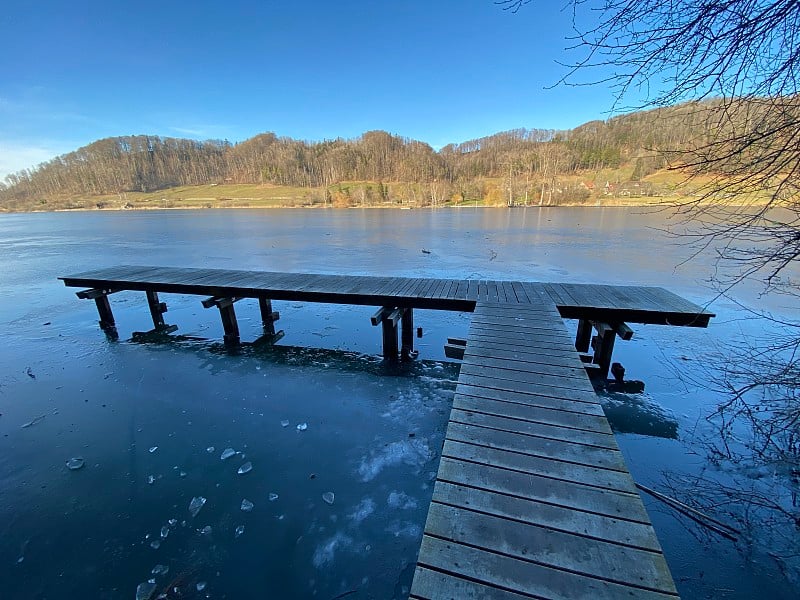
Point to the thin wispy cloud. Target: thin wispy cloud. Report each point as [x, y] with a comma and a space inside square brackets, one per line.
[15, 156]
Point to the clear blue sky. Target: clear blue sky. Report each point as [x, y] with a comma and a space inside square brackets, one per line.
[435, 70]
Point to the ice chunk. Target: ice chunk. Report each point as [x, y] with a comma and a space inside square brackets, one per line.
[206, 530]
[164, 532]
[328, 497]
[160, 570]
[182, 474]
[247, 506]
[196, 504]
[151, 480]
[172, 522]
[245, 468]
[145, 590]
[239, 531]
[73, 464]
[285, 423]
[302, 426]
[201, 585]
[155, 544]
[227, 453]
[210, 449]
[153, 449]
[273, 496]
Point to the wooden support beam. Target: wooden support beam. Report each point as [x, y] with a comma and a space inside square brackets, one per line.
[603, 346]
[584, 335]
[623, 331]
[379, 315]
[157, 310]
[454, 351]
[457, 341]
[229, 324]
[228, 316]
[107, 323]
[407, 334]
[268, 316]
[389, 335]
[94, 293]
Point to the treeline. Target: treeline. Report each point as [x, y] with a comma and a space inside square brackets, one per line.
[532, 159]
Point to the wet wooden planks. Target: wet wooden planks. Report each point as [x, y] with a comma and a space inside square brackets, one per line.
[532, 497]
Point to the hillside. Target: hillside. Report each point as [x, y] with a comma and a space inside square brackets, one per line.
[610, 162]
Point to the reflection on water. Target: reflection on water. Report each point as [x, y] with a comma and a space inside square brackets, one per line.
[368, 435]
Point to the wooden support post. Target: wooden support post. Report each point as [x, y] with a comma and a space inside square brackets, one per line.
[228, 316]
[229, 324]
[157, 310]
[407, 334]
[107, 323]
[584, 336]
[389, 335]
[268, 316]
[100, 297]
[603, 345]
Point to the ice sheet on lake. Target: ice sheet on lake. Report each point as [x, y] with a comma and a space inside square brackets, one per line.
[401, 500]
[247, 506]
[405, 529]
[364, 509]
[326, 551]
[411, 452]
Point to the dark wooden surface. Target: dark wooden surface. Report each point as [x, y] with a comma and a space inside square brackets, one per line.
[606, 303]
[532, 498]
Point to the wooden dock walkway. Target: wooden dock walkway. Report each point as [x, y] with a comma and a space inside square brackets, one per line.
[532, 497]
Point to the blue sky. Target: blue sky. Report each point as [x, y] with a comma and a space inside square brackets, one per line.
[438, 70]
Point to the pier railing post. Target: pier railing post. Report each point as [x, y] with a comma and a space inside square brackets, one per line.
[603, 345]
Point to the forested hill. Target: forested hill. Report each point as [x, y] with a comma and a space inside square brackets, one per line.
[529, 163]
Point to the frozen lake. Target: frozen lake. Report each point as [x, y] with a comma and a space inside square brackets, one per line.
[152, 420]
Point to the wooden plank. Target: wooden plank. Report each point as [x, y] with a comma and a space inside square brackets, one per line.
[584, 403]
[506, 359]
[594, 558]
[509, 573]
[534, 428]
[536, 445]
[522, 380]
[627, 533]
[544, 480]
[436, 585]
[528, 412]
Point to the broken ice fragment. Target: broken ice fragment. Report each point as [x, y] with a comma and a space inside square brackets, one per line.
[247, 506]
[73, 464]
[145, 590]
[201, 585]
[273, 496]
[239, 531]
[172, 522]
[155, 544]
[245, 468]
[206, 530]
[302, 427]
[151, 480]
[164, 532]
[210, 449]
[284, 423]
[153, 449]
[328, 497]
[227, 453]
[160, 570]
[196, 504]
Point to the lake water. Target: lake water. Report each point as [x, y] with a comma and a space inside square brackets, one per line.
[151, 420]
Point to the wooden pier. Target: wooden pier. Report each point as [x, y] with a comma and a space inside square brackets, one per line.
[532, 497]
